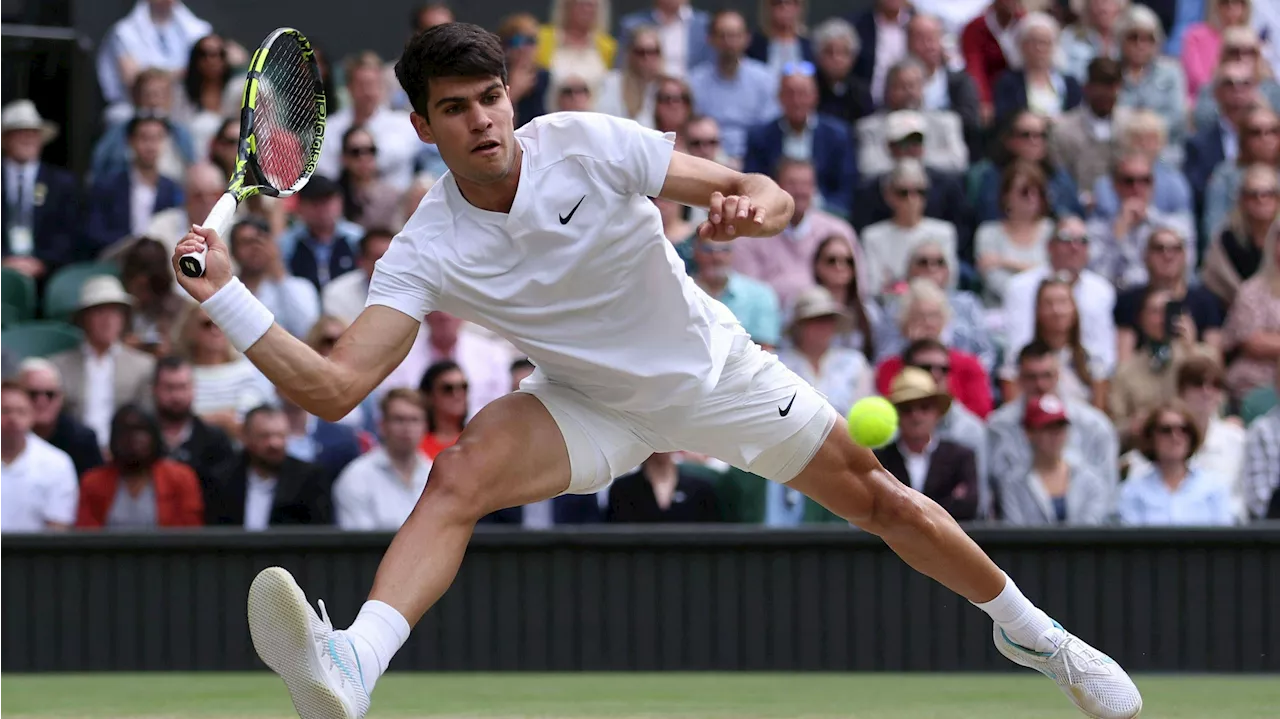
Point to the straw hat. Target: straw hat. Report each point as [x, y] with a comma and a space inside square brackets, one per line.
[102, 290]
[23, 115]
[816, 302]
[914, 384]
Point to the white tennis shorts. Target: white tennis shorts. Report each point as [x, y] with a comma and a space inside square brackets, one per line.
[761, 417]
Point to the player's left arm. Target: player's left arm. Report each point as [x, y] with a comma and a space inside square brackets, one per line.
[738, 204]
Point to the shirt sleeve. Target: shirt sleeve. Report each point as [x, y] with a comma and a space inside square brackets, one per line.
[348, 502]
[405, 279]
[629, 157]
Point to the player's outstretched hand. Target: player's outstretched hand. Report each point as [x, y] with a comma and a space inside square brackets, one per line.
[730, 217]
[217, 263]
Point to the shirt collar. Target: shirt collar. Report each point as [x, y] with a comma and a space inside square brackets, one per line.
[928, 450]
[112, 352]
[810, 122]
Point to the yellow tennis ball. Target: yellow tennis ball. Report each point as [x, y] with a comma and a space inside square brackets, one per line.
[872, 422]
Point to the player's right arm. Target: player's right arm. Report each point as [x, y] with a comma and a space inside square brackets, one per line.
[328, 387]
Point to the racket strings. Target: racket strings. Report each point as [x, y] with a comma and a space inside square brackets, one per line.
[285, 117]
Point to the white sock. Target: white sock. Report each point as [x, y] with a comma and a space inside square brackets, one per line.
[1024, 622]
[377, 634]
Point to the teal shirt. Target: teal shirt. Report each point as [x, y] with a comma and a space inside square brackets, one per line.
[755, 304]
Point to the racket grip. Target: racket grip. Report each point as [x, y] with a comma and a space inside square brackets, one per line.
[219, 219]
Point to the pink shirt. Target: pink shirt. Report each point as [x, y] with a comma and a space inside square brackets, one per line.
[1201, 46]
[785, 262]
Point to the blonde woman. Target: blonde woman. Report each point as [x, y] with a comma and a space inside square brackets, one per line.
[1235, 254]
[631, 92]
[1252, 331]
[1240, 46]
[1093, 35]
[1259, 144]
[1202, 43]
[782, 38]
[1151, 81]
[577, 41]
[226, 383]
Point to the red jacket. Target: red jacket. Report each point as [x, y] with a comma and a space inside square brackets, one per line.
[179, 500]
[984, 59]
[968, 382]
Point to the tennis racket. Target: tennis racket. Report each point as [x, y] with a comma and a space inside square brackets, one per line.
[282, 118]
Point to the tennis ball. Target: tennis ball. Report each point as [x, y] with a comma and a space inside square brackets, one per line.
[872, 422]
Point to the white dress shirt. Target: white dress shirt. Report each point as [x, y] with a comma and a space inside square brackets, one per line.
[20, 179]
[142, 204]
[100, 391]
[918, 464]
[1095, 299]
[39, 486]
[294, 302]
[259, 496]
[891, 46]
[370, 494]
[344, 296]
[798, 146]
[936, 95]
[673, 38]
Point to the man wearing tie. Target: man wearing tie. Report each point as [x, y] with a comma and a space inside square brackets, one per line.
[40, 200]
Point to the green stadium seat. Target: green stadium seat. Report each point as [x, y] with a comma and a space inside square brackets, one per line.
[62, 293]
[40, 339]
[19, 293]
[9, 316]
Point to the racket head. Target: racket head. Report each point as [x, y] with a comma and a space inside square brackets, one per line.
[282, 118]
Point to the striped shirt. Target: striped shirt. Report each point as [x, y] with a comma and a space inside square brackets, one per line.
[1092, 440]
[236, 386]
[1261, 474]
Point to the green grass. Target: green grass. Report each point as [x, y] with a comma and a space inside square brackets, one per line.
[649, 696]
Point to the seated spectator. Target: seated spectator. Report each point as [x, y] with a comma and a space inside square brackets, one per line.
[483, 357]
[944, 146]
[661, 491]
[945, 89]
[939, 469]
[223, 148]
[226, 383]
[1036, 85]
[1172, 492]
[882, 34]
[1166, 264]
[185, 437]
[327, 445]
[153, 93]
[202, 185]
[841, 94]
[681, 232]
[50, 421]
[207, 91]
[398, 142]
[366, 200]
[841, 374]
[155, 34]
[1252, 331]
[570, 93]
[264, 487]
[292, 300]
[41, 201]
[425, 16]
[321, 245]
[685, 30]
[1235, 90]
[1054, 488]
[527, 83]
[1024, 138]
[673, 106]
[1091, 437]
[1058, 327]
[1259, 478]
[803, 134]
[444, 390]
[835, 270]
[754, 303]
[737, 91]
[1093, 35]
[965, 328]
[888, 245]
[629, 91]
[1085, 141]
[345, 295]
[139, 488]
[1144, 133]
[1239, 45]
[988, 44]
[124, 203]
[1202, 43]
[576, 40]
[39, 492]
[785, 262]
[1020, 241]
[1117, 246]
[379, 489]
[1259, 145]
[103, 374]
[1236, 252]
[146, 271]
[1152, 82]
[782, 37]
[923, 314]
[1221, 454]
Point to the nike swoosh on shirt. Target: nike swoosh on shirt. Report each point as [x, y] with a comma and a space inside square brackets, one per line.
[564, 219]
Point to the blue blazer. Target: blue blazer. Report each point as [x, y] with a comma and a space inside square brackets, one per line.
[759, 48]
[1010, 94]
[834, 153]
[699, 50]
[55, 216]
[108, 217]
[1204, 152]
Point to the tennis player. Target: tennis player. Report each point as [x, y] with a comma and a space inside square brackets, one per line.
[546, 236]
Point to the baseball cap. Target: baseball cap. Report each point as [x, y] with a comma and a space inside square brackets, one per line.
[901, 124]
[1044, 411]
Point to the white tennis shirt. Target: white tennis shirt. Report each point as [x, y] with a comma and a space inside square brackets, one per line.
[579, 275]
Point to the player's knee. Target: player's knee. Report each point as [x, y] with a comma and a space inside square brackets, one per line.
[893, 506]
[455, 485]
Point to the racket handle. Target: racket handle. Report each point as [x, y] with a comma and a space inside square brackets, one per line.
[219, 219]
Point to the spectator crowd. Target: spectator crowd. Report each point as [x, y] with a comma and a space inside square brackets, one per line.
[1046, 231]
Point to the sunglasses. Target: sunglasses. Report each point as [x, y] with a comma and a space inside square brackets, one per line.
[1134, 180]
[453, 387]
[362, 151]
[519, 41]
[1168, 430]
[651, 51]
[1143, 37]
[1030, 134]
[667, 98]
[837, 261]
[1164, 248]
[1243, 84]
[905, 192]
[929, 262]
[1070, 239]
[575, 90]
[701, 142]
[49, 394]
[942, 369]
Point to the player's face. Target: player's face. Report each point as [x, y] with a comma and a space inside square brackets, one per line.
[472, 124]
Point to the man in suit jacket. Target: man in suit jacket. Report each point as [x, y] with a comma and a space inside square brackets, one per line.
[675, 20]
[943, 471]
[887, 20]
[122, 204]
[43, 384]
[327, 445]
[266, 487]
[187, 438]
[1086, 141]
[943, 134]
[40, 201]
[1220, 141]
[102, 375]
[944, 88]
[802, 134]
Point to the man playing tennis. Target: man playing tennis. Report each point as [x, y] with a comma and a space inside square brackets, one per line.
[547, 237]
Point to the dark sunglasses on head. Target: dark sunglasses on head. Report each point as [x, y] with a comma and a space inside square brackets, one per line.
[361, 151]
[453, 387]
[49, 394]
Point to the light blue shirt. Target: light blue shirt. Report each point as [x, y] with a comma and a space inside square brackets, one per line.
[1200, 500]
[736, 103]
[755, 304]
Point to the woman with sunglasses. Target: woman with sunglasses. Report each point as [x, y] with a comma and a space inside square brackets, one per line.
[1202, 42]
[526, 82]
[207, 90]
[226, 383]
[887, 245]
[1236, 252]
[1240, 46]
[1172, 491]
[444, 392]
[1057, 325]
[1020, 241]
[782, 38]
[1259, 143]
[835, 270]
[1151, 81]
[673, 104]
[1252, 332]
[631, 91]
[1024, 138]
[366, 200]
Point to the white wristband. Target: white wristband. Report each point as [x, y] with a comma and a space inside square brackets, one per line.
[243, 319]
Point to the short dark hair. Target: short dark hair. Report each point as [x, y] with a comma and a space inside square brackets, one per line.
[374, 233]
[254, 222]
[715, 18]
[169, 363]
[1038, 349]
[455, 49]
[258, 411]
[1199, 370]
[1104, 71]
[139, 120]
[521, 364]
[1147, 437]
[926, 344]
[131, 415]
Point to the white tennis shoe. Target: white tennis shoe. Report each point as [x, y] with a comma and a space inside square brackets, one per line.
[318, 664]
[1090, 679]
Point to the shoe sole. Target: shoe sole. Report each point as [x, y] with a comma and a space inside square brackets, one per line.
[1076, 694]
[280, 624]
